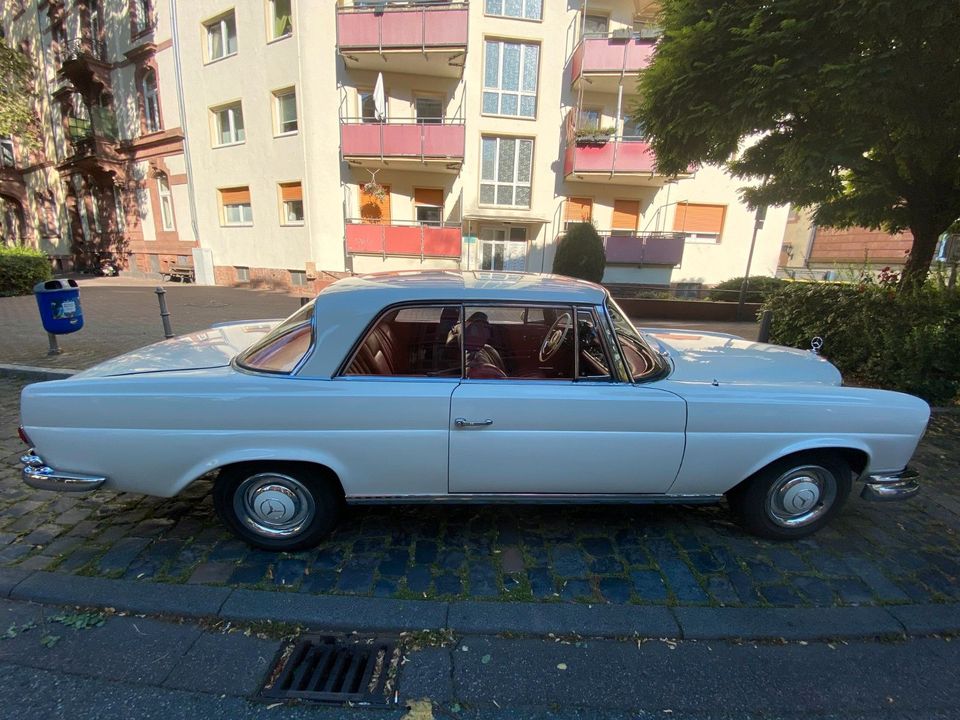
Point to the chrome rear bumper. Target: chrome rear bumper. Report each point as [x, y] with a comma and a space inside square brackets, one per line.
[37, 474]
[891, 486]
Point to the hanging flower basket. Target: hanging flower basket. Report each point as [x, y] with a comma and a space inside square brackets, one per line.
[376, 190]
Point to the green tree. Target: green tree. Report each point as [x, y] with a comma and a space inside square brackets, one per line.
[16, 91]
[580, 253]
[848, 106]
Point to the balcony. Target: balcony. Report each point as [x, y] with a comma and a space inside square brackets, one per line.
[604, 61]
[85, 65]
[93, 147]
[429, 38]
[403, 239]
[436, 146]
[653, 248]
[614, 159]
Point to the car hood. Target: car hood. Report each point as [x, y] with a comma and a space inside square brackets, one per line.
[705, 357]
[210, 348]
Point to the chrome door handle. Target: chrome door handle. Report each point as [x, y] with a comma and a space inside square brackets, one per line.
[463, 422]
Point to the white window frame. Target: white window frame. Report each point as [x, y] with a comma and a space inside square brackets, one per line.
[167, 218]
[525, 6]
[219, 25]
[278, 96]
[498, 89]
[703, 238]
[246, 216]
[231, 115]
[272, 21]
[284, 217]
[298, 278]
[151, 102]
[514, 183]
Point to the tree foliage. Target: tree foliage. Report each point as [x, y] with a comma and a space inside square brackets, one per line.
[580, 253]
[16, 91]
[848, 106]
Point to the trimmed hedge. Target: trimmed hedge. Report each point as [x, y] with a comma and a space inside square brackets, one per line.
[580, 254]
[20, 269]
[759, 288]
[907, 341]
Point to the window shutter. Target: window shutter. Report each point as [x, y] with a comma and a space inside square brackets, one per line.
[626, 214]
[692, 217]
[235, 196]
[578, 210]
[428, 196]
[291, 191]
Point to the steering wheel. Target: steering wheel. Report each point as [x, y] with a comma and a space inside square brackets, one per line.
[555, 336]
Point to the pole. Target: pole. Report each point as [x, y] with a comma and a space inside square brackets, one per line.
[54, 346]
[757, 226]
[164, 313]
[766, 317]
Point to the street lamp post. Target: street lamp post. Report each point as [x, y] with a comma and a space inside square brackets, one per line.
[757, 226]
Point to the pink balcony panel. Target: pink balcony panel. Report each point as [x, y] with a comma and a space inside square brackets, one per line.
[645, 249]
[611, 55]
[624, 249]
[364, 239]
[438, 26]
[618, 156]
[441, 242]
[401, 140]
[663, 250]
[403, 240]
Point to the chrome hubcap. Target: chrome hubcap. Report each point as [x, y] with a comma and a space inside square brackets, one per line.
[800, 496]
[274, 505]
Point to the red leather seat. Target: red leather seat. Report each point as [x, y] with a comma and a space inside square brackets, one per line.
[378, 354]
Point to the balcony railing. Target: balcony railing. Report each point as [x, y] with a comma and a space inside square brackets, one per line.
[394, 26]
[616, 154]
[402, 139]
[85, 48]
[607, 54]
[403, 239]
[651, 248]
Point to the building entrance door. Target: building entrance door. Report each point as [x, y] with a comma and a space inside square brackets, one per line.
[503, 248]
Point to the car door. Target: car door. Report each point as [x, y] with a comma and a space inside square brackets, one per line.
[568, 432]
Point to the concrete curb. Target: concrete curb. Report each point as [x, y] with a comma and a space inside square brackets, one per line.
[34, 372]
[366, 614]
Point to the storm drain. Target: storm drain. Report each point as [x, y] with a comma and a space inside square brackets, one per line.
[328, 670]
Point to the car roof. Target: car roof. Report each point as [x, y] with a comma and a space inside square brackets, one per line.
[345, 309]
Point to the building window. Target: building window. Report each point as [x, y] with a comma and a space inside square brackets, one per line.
[596, 25]
[503, 248]
[243, 274]
[285, 102]
[428, 203]
[281, 19]
[229, 125]
[510, 78]
[429, 109]
[142, 16]
[166, 202]
[505, 171]
[291, 203]
[7, 157]
[700, 223]
[526, 9]
[151, 102]
[577, 210]
[235, 206]
[591, 119]
[626, 217]
[298, 278]
[221, 37]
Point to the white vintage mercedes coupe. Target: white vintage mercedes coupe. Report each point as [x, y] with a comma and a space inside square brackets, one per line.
[470, 387]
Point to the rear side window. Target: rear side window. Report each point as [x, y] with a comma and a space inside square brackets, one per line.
[283, 347]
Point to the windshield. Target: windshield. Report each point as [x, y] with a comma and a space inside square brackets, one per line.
[643, 363]
[282, 348]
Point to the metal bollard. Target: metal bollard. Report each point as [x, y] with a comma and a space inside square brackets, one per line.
[54, 345]
[766, 317]
[304, 300]
[164, 313]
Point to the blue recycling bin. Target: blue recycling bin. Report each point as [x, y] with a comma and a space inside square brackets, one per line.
[59, 303]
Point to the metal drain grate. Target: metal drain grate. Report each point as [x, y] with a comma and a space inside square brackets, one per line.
[324, 669]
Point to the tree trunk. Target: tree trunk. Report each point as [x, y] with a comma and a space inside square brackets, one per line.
[925, 237]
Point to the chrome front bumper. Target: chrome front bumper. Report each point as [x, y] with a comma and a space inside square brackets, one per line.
[891, 486]
[37, 474]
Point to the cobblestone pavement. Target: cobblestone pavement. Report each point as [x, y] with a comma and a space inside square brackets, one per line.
[872, 554]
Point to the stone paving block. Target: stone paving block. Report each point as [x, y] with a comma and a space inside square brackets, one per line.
[212, 573]
[121, 554]
[648, 584]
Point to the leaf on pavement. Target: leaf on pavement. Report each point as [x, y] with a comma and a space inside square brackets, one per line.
[419, 710]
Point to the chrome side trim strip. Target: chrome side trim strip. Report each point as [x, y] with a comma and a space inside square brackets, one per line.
[533, 499]
[891, 486]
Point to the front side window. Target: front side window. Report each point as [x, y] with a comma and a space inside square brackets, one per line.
[642, 362]
[281, 19]
[510, 78]
[281, 350]
[411, 342]
[166, 202]
[229, 125]
[286, 105]
[526, 9]
[236, 208]
[151, 103]
[506, 165]
[221, 37]
[518, 342]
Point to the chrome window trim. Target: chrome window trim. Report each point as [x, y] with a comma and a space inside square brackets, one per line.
[239, 367]
[613, 343]
[664, 368]
[598, 321]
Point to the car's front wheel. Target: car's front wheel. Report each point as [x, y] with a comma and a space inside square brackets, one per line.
[277, 506]
[793, 497]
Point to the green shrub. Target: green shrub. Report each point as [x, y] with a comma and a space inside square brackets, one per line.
[580, 253]
[20, 269]
[759, 288]
[905, 341]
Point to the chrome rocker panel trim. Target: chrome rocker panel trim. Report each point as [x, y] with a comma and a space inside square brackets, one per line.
[532, 499]
[37, 474]
[891, 486]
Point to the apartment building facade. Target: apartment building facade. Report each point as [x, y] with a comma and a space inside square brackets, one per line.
[305, 140]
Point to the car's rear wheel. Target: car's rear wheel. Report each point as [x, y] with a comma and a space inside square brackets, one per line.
[793, 497]
[277, 506]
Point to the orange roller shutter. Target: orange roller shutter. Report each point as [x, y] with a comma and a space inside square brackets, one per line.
[578, 210]
[691, 217]
[626, 214]
[291, 191]
[235, 196]
[428, 196]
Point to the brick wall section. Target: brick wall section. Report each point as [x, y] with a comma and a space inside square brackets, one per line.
[857, 245]
[226, 275]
